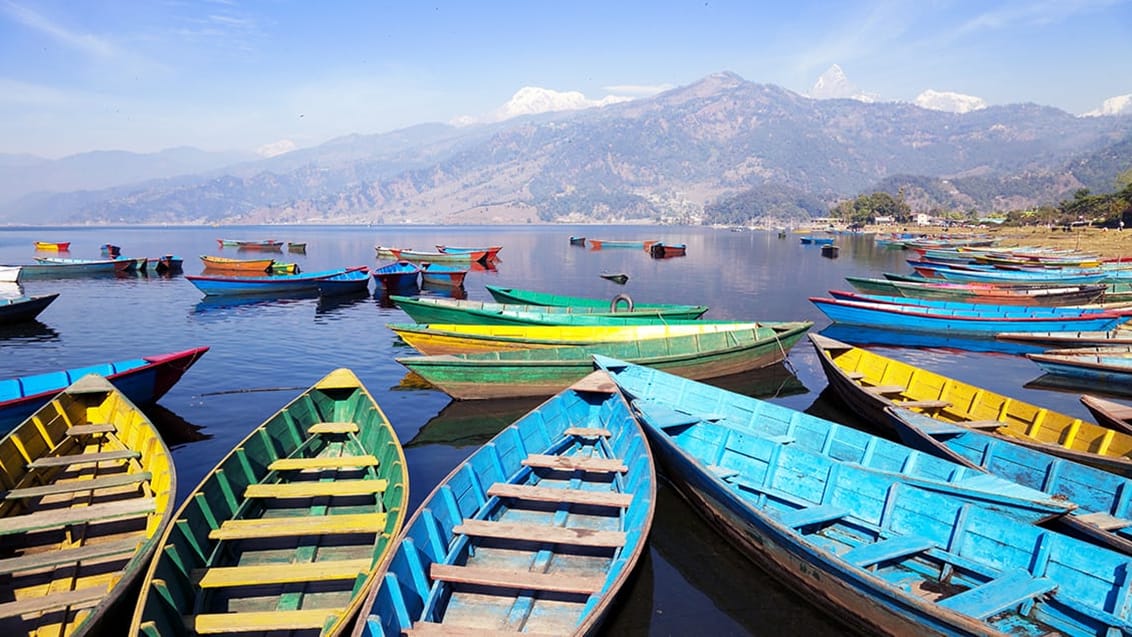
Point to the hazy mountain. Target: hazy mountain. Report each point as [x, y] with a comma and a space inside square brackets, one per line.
[716, 147]
[948, 101]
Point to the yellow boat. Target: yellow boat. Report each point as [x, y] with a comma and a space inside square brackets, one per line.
[870, 383]
[448, 338]
[88, 487]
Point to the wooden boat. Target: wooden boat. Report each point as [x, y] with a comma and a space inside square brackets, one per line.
[1109, 365]
[566, 500]
[532, 297]
[437, 310]
[489, 252]
[53, 246]
[143, 380]
[436, 339]
[598, 244]
[263, 285]
[284, 268]
[1037, 294]
[169, 263]
[545, 371]
[1054, 277]
[24, 308]
[269, 245]
[10, 273]
[406, 254]
[577, 241]
[619, 278]
[88, 488]
[353, 281]
[1109, 413]
[110, 250]
[285, 532]
[296, 247]
[1070, 339]
[397, 275]
[941, 320]
[662, 250]
[227, 264]
[869, 383]
[73, 268]
[884, 554]
[119, 264]
[812, 240]
[1004, 310]
[830, 251]
[441, 274]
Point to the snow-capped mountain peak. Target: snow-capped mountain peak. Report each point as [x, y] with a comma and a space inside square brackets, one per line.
[1119, 105]
[949, 101]
[834, 84]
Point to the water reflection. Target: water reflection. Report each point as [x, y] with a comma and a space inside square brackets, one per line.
[175, 430]
[339, 302]
[28, 332]
[471, 422]
[219, 303]
[863, 335]
[449, 291]
[1072, 385]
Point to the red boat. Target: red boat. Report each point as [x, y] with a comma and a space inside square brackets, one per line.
[53, 246]
[490, 252]
[661, 250]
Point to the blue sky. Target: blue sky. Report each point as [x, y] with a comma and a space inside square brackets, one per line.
[142, 75]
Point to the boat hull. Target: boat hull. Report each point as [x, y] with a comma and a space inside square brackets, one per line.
[265, 285]
[480, 313]
[24, 309]
[928, 320]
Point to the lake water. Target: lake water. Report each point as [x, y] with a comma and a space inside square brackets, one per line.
[264, 353]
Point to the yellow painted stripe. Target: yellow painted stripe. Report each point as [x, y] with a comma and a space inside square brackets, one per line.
[220, 577]
[260, 621]
[315, 489]
[336, 462]
[290, 526]
[333, 428]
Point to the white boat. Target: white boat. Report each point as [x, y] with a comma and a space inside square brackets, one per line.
[9, 273]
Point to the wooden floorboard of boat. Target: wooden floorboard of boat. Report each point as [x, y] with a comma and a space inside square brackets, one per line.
[427, 629]
[307, 525]
[1104, 521]
[50, 559]
[82, 598]
[552, 494]
[574, 463]
[997, 595]
[217, 623]
[313, 489]
[72, 486]
[333, 428]
[517, 579]
[261, 574]
[55, 518]
[320, 464]
[541, 533]
[587, 432]
[91, 429]
[83, 458]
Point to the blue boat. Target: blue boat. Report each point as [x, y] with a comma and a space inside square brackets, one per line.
[1103, 513]
[62, 268]
[352, 281]
[442, 274]
[817, 241]
[24, 308]
[1111, 366]
[535, 532]
[942, 321]
[1022, 276]
[281, 284]
[884, 557]
[399, 275]
[1005, 310]
[143, 380]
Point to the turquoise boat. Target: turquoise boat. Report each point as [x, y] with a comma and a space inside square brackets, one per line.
[442, 310]
[536, 532]
[1004, 310]
[275, 285]
[882, 555]
[532, 297]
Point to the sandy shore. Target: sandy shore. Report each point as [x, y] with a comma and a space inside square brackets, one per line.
[1106, 243]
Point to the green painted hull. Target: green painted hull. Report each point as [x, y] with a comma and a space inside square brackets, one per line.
[531, 297]
[481, 313]
[543, 372]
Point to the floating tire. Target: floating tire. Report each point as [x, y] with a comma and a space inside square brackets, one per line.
[616, 302]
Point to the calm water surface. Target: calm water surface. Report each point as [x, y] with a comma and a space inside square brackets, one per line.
[264, 353]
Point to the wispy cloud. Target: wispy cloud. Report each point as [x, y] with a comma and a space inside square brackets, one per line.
[1032, 14]
[83, 42]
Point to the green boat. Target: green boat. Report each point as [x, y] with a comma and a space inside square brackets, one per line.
[542, 372]
[531, 297]
[286, 532]
[989, 293]
[445, 310]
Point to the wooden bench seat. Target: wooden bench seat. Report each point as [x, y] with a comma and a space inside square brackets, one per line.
[62, 557]
[333, 428]
[587, 432]
[315, 489]
[567, 496]
[81, 598]
[575, 463]
[256, 528]
[885, 389]
[253, 575]
[260, 621]
[91, 429]
[517, 578]
[431, 629]
[322, 464]
[997, 595]
[56, 518]
[808, 516]
[72, 486]
[83, 458]
[990, 425]
[1104, 521]
[922, 404]
[890, 549]
[541, 533]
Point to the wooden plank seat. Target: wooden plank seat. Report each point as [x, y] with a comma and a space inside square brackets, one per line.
[892, 548]
[333, 428]
[983, 424]
[62, 557]
[315, 489]
[83, 458]
[81, 598]
[260, 621]
[516, 578]
[72, 486]
[430, 629]
[997, 595]
[1104, 521]
[575, 463]
[587, 432]
[323, 464]
[256, 528]
[809, 516]
[567, 496]
[256, 574]
[541, 533]
[885, 389]
[55, 518]
[855, 375]
[91, 429]
[922, 404]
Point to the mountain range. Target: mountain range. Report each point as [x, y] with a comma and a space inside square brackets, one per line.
[722, 149]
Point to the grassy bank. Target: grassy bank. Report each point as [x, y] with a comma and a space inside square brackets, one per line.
[1106, 243]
